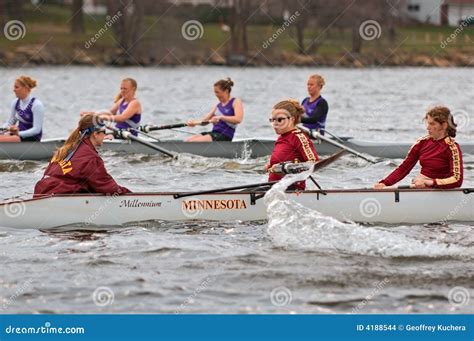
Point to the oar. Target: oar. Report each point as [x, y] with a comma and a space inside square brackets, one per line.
[315, 134]
[183, 131]
[148, 128]
[145, 134]
[318, 165]
[335, 137]
[128, 135]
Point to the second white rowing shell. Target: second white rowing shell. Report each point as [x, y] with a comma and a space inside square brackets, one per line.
[251, 148]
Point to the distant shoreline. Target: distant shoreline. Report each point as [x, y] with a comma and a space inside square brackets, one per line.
[35, 55]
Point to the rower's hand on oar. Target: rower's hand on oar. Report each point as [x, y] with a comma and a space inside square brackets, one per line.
[276, 168]
[13, 130]
[215, 119]
[192, 123]
[379, 185]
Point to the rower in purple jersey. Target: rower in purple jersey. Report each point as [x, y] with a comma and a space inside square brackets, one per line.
[315, 106]
[132, 122]
[26, 118]
[126, 110]
[225, 115]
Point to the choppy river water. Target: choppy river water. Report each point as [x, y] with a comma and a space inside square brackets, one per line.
[240, 267]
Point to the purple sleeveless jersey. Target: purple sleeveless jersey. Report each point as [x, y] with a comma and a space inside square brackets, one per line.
[225, 128]
[309, 108]
[25, 118]
[132, 122]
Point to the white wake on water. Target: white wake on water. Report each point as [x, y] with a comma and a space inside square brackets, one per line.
[292, 225]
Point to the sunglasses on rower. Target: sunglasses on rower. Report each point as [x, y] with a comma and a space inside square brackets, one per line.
[278, 119]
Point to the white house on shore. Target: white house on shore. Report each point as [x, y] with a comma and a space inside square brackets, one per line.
[439, 12]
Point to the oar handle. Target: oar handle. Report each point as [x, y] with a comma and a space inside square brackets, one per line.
[148, 128]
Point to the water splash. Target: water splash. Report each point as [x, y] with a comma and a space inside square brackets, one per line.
[290, 224]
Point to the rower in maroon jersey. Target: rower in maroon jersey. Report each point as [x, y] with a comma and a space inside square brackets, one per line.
[292, 144]
[439, 155]
[76, 167]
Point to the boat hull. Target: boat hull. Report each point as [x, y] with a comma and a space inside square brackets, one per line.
[368, 206]
[222, 149]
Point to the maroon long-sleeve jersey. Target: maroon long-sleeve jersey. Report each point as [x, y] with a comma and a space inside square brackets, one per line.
[440, 160]
[84, 173]
[294, 145]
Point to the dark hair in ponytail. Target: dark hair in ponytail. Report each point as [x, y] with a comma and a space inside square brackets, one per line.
[225, 84]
